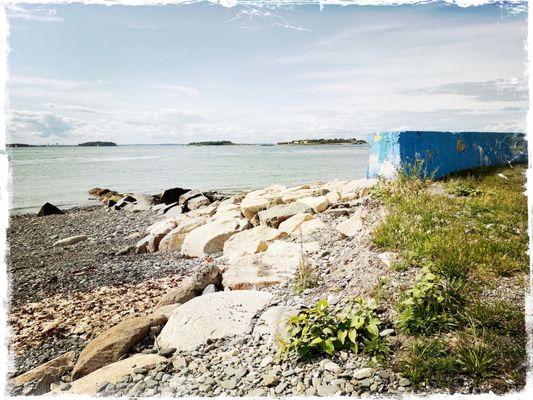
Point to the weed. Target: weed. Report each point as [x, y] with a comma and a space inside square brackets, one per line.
[321, 331]
[307, 275]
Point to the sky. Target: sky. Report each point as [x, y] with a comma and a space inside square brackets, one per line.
[258, 74]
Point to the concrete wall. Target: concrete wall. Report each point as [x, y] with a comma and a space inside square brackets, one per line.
[443, 152]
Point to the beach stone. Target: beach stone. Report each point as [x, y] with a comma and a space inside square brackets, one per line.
[209, 289]
[157, 232]
[170, 196]
[270, 380]
[363, 373]
[352, 226]
[70, 241]
[111, 344]
[184, 198]
[366, 382]
[49, 209]
[318, 204]
[327, 390]
[308, 227]
[276, 265]
[173, 212]
[173, 240]
[251, 241]
[257, 392]
[141, 246]
[293, 223]
[210, 238]
[354, 189]
[252, 204]
[274, 216]
[55, 367]
[198, 202]
[404, 382]
[111, 373]
[332, 367]
[212, 316]
[192, 286]
[123, 202]
[271, 325]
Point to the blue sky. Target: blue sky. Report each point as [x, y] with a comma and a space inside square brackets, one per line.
[175, 74]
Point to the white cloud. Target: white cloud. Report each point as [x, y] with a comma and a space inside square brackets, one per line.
[35, 14]
[178, 88]
[40, 124]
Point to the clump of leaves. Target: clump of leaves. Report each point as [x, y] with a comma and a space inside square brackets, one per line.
[428, 361]
[463, 189]
[323, 331]
[431, 305]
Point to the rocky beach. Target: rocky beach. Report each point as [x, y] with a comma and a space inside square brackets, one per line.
[188, 293]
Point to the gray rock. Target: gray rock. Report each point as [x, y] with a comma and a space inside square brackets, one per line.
[209, 289]
[280, 388]
[327, 390]
[404, 382]
[229, 384]
[363, 373]
[270, 380]
[366, 382]
[167, 352]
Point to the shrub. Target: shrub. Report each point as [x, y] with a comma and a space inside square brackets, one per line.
[323, 331]
[432, 304]
[428, 361]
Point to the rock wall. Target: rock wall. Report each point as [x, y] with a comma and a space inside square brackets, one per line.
[443, 152]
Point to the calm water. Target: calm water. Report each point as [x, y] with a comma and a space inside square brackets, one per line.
[63, 175]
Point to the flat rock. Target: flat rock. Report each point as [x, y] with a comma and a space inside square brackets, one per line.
[110, 345]
[318, 204]
[70, 241]
[352, 226]
[251, 241]
[192, 286]
[293, 223]
[212, 316]
[252, 204]
[210, 238]
[170, 196]
[111, 373]
[56, 367]
[173, 240]
[274, 216]
[276, 265]
[198, 202]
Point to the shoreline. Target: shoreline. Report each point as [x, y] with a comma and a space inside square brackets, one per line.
[64, 297]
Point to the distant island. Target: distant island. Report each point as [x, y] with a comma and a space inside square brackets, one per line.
[97, 144]
[213, 143]
[325, 141]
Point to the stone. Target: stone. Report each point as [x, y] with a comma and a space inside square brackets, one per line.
[229, 384]
[318, 204]
[274, 216]
[170, 196]
[270, 380]
[367, 382]
[70, 241]
[142, 245]
[55, 367]
[280, 387]
[49, 209]
[327, 390]
[308, 227]
[174, 239]
[271, 325]
[363, 373]
[192, 286]
[212, 316]
[167, 352]
[293, 223]
[257, 392]
[210, 238]
[173, 212]
[184, 198]
[387, 258]
[123, 202]
[276, 265]
[209, 289]
[111, 373]
[198, 202]
[251, 241]
[157, 232]
[113, 343]
[352, 226]
[332, 367]
[252, 204]
[356, 188]
[404, 382]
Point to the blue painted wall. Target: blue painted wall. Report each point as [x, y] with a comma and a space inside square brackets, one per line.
[442, 153]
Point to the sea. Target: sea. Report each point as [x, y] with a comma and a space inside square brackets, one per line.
[64, 175]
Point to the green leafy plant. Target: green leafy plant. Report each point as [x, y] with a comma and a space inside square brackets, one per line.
[477, 359]
[428, 361]
[431, 305]
[323, 331]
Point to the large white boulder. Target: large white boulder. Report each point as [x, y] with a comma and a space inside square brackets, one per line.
[274, 216]
[212, 316]
[252, 204]
[210, 238]
[352, 226]
[252, 241]
[293, 223]
[308, 227]
[272, 324]
[174, 239]
[356, 188]
[276, 265]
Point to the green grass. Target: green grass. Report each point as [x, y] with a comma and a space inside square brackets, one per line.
[464, 242]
